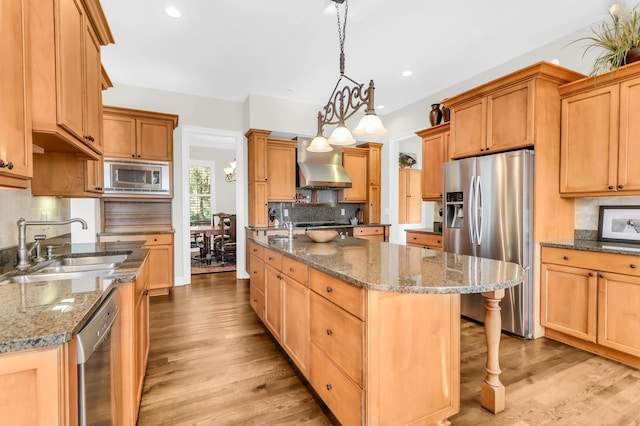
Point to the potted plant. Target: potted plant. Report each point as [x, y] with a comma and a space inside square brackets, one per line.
[618, 39]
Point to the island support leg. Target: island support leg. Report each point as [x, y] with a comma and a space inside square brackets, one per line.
[492, 395]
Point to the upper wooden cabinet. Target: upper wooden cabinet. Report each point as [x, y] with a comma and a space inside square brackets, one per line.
[435, 152]
[142, 135]
[410, 196]
[281, 170]
[599, 155]
[501, 115]
[355, 162]
[15, 102]
[374, 176]
[65, 40]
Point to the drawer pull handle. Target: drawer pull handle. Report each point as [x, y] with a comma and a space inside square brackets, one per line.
[590, 274]
[565, 257]
[329, 289]
[292, 269]
[632, 266]
[601, 275]
[329, 387]
[329, 332]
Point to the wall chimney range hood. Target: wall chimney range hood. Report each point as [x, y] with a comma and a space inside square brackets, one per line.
[320, 170]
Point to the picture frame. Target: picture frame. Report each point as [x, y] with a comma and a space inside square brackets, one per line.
[619, 224]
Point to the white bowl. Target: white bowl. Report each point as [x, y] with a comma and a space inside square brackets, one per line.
[321, 235]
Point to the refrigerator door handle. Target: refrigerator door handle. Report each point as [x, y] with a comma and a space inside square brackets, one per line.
[478, 210]
[472, 204]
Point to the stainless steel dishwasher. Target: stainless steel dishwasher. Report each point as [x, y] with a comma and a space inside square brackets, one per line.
[94, 365]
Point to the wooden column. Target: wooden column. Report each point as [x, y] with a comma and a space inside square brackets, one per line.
[492, 395]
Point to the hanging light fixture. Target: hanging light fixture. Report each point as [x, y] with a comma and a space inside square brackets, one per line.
[230, 172]
[345, 102]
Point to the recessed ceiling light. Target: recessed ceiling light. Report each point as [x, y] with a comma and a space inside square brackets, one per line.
[173, 12]
[380, 107]
[406, 73]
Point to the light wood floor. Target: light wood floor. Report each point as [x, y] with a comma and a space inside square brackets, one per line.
[212, 363]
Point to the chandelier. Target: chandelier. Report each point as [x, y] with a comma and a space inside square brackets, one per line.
[230, 172]
[345, 102]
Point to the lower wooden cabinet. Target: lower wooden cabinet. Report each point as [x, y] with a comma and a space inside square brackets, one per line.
[424, 240]
[592, 301]
[374, 233]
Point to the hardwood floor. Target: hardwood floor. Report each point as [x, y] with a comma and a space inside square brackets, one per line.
[211, 362]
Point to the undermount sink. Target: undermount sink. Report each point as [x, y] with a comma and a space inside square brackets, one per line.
[115, 259]
[53, 276]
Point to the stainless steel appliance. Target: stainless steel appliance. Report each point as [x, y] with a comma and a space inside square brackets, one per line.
[94, 366]
[137, 177]
[488, 213]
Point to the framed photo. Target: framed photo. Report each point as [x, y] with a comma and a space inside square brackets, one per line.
[619, 224]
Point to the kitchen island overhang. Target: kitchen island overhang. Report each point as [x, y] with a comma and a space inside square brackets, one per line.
[393, 278]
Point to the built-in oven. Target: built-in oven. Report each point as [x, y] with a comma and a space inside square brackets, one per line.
[95, 393]
[137, 177]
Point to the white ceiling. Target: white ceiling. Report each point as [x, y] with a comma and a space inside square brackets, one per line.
[289, 48]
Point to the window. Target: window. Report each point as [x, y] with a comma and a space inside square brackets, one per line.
[201, 201]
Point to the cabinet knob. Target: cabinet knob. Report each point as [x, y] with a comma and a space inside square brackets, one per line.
[270, 258]
[632, 266]
[255, 300]
[620, 186]
[255, 250]
[439, 241]
[329, 387]
[565, 257]
[590, 274]
[415, 238]
[610, 186]
[329, 332]
[133, 155]
[255, 272]
[601, 275]
[4, 165]
[329, 289]
[138, 155]
[292, 269]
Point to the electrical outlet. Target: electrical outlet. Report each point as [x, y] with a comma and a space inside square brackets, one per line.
[342, 212]
[286, 212]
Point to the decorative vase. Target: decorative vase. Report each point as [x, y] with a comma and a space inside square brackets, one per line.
[633, 55]
[435, 115]
[446, 114]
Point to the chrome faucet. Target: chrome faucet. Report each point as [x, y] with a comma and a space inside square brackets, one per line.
[23, 252]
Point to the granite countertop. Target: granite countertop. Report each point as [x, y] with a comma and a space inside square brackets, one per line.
[332, 226]
[596, 246]
[106, 234]
[390, 267]
[424, 231]
[50, 313]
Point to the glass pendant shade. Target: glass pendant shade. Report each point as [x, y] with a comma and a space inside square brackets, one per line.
[370, 125]
[341, 136]
[319, 144]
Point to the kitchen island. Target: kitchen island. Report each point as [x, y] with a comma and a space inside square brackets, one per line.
[375, 327]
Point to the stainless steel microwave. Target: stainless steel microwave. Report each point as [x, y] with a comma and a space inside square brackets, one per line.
[137, 177]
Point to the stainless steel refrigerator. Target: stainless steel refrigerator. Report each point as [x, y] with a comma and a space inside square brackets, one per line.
[488, 213]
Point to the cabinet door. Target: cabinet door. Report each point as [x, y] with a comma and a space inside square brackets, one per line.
[258, 204]
[257, 155]
[15, 101]
[414, 198]
[589, 141]
[469, 128]
[154, 139]
[94, 176]
[618, 313]
[119, 135]
[569, 300]
[433, 151]
[142, 345]
[375, 162]
[93, 125]
[373, 210]
[295, 322]
[281, 171]
[161, 266]
[629, 149]
[510, 118]
[355, 161]
[273, 301]
[70, 35]
[402, 195]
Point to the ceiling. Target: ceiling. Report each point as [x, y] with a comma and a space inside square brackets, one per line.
[289, 48]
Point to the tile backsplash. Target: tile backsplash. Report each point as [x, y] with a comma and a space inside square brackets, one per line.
[588, 209]
[20, 203]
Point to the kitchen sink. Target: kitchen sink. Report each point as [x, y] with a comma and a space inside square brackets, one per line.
[53, 276]
[114, 259]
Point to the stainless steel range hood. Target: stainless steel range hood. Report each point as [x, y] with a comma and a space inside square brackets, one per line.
[320, 169]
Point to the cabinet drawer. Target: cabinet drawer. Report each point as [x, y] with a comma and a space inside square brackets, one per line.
[368, 230]
[272, 258]
[256, 299]
[148, 239]
[596, 261]
[339, 335]
[256, 271]
[296, 270]
[424, 239]
[347, 296]
[256, 250]
[158, 239]
[341, 395]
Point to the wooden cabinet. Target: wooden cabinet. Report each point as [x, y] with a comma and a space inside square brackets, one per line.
[142, 135]
[15, 102]
[273, 293]
[424, 240]
[598, 153]
[256, 271]
[372, 209]
[39, 386]
[257, 177]
[410, 196]
[435, 152]
[592, 301]
[133, 335]
[355, 162]
[281, 170]
[295, 312]
[65, 39]
[75, 177]
[374, 233]
[160, 258]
